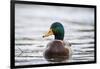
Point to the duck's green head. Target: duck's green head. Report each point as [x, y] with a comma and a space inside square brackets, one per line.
[57, 30]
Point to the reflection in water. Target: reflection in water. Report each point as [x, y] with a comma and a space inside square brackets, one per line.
[30, 24]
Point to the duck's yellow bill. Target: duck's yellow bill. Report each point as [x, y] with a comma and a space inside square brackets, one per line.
[48, 33]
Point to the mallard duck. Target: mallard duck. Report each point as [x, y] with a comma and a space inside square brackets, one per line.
[57, 50]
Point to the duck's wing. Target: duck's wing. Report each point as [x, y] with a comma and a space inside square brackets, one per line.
[66, 43]
[68, 46]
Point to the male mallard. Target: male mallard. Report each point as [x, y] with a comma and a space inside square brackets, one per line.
[57, 50]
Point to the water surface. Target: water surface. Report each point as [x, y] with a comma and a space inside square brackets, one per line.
[32, 21]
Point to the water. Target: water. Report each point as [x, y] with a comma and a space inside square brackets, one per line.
[32, 21]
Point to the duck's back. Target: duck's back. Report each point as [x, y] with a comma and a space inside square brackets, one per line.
[56, 51]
